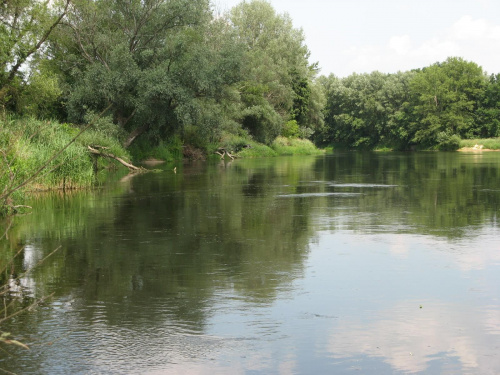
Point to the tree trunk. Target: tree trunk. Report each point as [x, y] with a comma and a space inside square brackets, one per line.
[132, 136]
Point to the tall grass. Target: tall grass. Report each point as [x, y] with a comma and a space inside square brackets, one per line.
[169, 150]
[27, 144]
[294, 146]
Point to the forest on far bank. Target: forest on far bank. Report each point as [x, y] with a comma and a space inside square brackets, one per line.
[430, 108]
[165, 73]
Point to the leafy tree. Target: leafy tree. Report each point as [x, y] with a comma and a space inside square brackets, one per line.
[488, 113]
[159, 63]
[365, 110]
[446, 97]
[277, 75]
[25, 27]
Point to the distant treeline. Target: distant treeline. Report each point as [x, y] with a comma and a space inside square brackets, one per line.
[428, 108]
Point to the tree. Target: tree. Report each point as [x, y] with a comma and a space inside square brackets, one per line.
[446, 97]
[277, 75]
[488, 113]
[25, 27]
[158, 63]
[368, 110]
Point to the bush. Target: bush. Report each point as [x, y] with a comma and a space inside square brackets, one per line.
[291, 129]
[448, 143]
[294, 146]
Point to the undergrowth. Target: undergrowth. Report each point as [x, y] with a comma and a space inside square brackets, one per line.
[26, 144]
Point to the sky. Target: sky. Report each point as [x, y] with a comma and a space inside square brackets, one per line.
[361, 36]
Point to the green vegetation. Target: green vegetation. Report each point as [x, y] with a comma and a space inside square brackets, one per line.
[294, 146]
[488, 143]
[27, 145]
[173, 79]
[431, 108]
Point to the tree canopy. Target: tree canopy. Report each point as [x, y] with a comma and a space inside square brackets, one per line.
[425, 108]
[175, 70]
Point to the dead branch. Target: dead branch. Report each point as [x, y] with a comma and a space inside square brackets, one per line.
[223, 152]
[131, 167]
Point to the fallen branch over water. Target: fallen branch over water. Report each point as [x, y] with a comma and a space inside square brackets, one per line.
[222, 152]
[95, 151]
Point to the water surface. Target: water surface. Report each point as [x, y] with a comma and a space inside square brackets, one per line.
[347, 263]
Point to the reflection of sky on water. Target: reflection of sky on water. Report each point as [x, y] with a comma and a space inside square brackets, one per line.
[409, 338]
[369, 304]
[378, 303]
[454, 282]
[350, 303]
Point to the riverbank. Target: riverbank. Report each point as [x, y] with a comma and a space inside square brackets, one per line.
[485, 144]
[47, 155]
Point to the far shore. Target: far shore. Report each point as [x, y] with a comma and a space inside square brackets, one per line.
[476, 148]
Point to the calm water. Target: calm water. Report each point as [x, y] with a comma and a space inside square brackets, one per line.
[348, 263]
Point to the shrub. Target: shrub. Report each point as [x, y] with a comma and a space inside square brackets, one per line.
[447, 142]
[294, 146]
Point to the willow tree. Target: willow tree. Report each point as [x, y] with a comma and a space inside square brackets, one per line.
[276, 86]
[153, 61]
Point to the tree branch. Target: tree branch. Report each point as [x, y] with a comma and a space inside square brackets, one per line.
[36, 47]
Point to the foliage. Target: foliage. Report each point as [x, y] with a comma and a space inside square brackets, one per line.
[488, 143]
[174, 70]
[365, 110]
[277, 77]
[488, 114]
[291, 129]
[25, 27]
[430, 108]
[447, 96]
[256, 150]
[448, 142]
[294, 146]
[168, 150]
[165, 72]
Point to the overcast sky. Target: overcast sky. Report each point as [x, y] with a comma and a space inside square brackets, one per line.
[347, 36]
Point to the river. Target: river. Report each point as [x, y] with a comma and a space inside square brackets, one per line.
[369, 263]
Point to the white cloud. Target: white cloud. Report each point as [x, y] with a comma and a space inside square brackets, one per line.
[474, 39]
[401, 45]
[409, 338]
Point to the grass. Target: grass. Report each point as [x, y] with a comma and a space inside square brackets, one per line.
[244, 147]
[26, 144]
[168, 151]
[487, 143]
[295, 146]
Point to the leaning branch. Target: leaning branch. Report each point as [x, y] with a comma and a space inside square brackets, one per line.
[94, 150]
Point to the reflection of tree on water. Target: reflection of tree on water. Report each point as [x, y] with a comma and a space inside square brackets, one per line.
[432, 193]
[156, 256]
